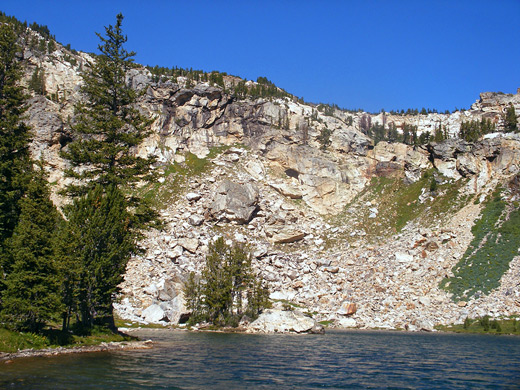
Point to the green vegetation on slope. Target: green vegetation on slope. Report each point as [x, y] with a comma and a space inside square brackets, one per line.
[176, 176]
[425, 201]
[471, 131]
[495, 243]
[21, 27]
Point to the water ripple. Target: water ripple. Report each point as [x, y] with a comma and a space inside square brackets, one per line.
[337, 360]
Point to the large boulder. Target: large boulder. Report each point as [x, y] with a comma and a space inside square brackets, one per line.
[190, 244]
[154, 313]
[234, 202]
[166, 290]
[347, 322]
[176, 310]
[347, 308]
[283, 321]
[351, 141]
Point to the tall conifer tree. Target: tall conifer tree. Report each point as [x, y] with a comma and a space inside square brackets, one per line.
[229, 288]
[14, 134]
[28, 278]
[108, 129]
[108, 125]
[15, 161]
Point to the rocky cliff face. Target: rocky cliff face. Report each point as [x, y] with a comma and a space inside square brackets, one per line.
[321, 232]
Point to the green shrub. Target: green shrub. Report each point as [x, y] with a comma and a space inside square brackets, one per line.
[433, 185]
[484, 323]
[467, 323]
[495, 243]
[11, 341]
[324, 138]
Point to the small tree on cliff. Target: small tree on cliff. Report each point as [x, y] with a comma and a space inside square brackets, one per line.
[228, 288]
[324, 138]
[511, 123]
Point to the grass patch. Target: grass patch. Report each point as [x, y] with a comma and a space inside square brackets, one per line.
[326, 323]
[11, 341]
[175, 177]
[484, 325]
[288, 305]
[99, 335]
[496, 239]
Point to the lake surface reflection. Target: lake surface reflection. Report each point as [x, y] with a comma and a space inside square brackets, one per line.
[336, 360]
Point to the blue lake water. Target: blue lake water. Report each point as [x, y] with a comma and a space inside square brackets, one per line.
[336, 360]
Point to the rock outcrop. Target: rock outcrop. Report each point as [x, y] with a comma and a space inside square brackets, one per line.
[284, 321]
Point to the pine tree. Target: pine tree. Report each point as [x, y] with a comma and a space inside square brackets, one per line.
[70, 267]
[228, 288]
[324, 138]
[438, 135]
[511, 123]
[424, 138]
[414, 137]
[393, 135]
[15, 159]
[103, 231]
[108, 126]
[471, 131]
[378, 133]
[406, 134]
[467, 323]
[37, 81]
[31, 297]
[14, 134]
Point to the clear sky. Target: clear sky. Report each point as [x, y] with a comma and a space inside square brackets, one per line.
[367, 54]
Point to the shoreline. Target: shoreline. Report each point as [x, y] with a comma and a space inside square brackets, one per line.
[241, 330]
[8, 357]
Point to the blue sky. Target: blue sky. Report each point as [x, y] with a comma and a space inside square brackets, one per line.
[358, 54]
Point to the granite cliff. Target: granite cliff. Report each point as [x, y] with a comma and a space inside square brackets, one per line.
[357, 233]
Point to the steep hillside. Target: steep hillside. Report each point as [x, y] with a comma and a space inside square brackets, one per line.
[361, 234]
